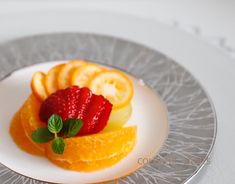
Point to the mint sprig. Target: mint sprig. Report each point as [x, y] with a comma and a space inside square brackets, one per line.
[56, 131]
[42, 135]
[55, 124]
[58, 145]
[71, 127]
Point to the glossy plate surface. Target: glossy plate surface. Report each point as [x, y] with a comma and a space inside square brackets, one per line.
[192, 119]
[148, 113]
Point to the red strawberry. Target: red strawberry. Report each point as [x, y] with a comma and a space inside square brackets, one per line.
[62, 103]
[104, 117]
[95, 115]
[75, 102]
[83, 102]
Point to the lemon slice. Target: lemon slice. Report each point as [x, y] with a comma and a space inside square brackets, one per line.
[113, 85]
[37, 85]
[51, 84]
[82, 74]
[64, 76]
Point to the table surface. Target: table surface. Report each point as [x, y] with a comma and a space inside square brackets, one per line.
[209, 21]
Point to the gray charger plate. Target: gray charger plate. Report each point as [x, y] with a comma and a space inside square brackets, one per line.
[192, 117]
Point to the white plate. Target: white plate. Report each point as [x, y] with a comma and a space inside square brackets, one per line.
[214, 69]
[149, 114]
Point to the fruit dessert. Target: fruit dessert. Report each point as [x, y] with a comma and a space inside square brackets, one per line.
[75, 116]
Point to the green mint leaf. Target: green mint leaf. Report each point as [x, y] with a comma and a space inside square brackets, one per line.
[42, 135]
[55, 124]
[58, 145]
[71, 127]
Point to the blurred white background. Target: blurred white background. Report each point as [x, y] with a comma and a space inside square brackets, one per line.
[214, 20]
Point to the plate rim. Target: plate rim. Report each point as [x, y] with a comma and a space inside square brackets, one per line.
[208, 155]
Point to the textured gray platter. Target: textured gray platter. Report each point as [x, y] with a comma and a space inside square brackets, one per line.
[192, 117]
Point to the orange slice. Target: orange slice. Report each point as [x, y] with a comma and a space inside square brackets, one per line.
[21, 139]
[51, 84]
[89, 166]
[82, 74]
[95, 151]
[37, 85]
[30, 120]
[113, 85]
[64, 76]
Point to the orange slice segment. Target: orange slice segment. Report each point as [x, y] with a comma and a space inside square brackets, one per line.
[21, 139]
[30, 120]
[113, 85]
[64, 76]
[91, 150]
[38, 85]
[51, 84]
[82, 74]
[89, 166]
